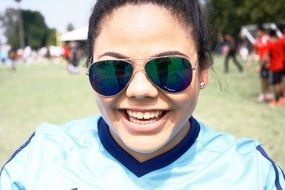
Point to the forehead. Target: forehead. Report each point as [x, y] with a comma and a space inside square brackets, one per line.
[142, 12]
[138, 17]
[145, 26]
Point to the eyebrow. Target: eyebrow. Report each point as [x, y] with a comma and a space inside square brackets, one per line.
[114, 54]
[167, 53]
[121, 56]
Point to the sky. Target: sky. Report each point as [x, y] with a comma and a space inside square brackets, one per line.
[58, 13]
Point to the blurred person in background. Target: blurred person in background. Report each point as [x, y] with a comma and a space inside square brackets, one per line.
[231, 53]
[74, 57]
[243, 49]
[260, 47]
[66, 52]
[4, 55]
[220, 44]
[283, 73]
[275, 55]
[13, 57]
[43, 54]
[27, 54]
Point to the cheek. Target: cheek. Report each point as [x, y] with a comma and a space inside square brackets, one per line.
[107, 108]
[104, 104]
[190, 95]
[185, 103]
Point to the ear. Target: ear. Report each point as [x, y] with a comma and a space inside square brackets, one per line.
[204, 78]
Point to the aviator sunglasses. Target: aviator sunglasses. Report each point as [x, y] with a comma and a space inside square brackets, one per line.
[172, 74]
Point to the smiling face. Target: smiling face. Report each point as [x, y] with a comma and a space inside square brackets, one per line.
[144, 120]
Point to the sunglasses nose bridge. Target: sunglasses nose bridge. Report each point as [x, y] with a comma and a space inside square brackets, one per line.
[138, 68]
[139, 85]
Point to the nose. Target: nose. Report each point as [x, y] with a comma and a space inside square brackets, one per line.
[140, 87]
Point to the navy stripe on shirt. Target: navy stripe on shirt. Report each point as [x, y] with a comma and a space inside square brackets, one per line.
[263, 153]
[17, 151]
[138, 168]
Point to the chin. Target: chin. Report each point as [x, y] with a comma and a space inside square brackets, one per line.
[144, 145]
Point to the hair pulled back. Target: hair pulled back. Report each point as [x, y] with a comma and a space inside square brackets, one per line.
[187, 10]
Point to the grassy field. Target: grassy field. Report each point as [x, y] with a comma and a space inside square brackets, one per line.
[48, 93]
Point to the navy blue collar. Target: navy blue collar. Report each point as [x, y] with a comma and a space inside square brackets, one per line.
[142, 168]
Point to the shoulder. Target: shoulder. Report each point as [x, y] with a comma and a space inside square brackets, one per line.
[52, 142]
[49, 151]
[62, 136]
[74, 131]
[240, 155]
[217, 141]
[73, 128]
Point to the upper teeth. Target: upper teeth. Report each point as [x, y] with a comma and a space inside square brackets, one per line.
[144, 115]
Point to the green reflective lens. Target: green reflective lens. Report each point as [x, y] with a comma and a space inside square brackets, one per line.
[110, 77]
[173, 74]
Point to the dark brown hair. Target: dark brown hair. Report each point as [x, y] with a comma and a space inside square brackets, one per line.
[188, 10]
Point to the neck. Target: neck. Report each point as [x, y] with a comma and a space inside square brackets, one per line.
[142, 157]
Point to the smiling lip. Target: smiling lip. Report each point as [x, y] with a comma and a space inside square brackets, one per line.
[149, 128]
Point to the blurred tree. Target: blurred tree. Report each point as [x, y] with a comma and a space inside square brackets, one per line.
[36, 30]
[51, 37]
[69, 27]
[1, 26]
[20, 25]
[37, 33]
[262, 11]
[9, 22]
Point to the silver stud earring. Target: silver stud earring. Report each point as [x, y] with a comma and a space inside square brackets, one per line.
[202, 85]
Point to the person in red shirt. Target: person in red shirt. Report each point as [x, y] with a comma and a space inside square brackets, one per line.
[260, 48]
[66, 52]
[275, 54]
[283, 73]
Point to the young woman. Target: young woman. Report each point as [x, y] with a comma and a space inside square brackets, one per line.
[147, 62]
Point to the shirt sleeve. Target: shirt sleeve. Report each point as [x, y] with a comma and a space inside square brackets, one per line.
[15, 167]
[273, 177]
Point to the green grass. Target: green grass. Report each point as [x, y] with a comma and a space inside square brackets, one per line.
[48, 93]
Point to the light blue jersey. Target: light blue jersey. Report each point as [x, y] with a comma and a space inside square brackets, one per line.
[82, 155]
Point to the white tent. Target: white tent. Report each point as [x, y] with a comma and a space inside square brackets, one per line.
[79, 34]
